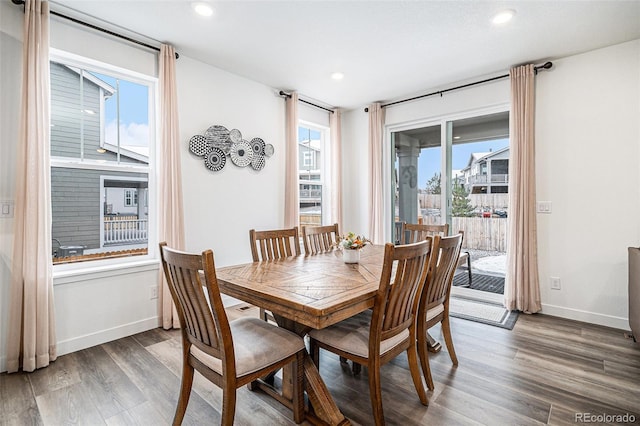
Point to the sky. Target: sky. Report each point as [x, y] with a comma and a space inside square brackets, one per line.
[430, 159]
[134, 113]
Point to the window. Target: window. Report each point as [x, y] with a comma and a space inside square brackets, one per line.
[102, 141]
[312, 148]
[130, 198]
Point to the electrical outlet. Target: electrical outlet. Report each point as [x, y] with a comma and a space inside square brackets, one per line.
[555, 283]
[153, 292]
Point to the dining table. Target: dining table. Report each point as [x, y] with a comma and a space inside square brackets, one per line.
[304, 293]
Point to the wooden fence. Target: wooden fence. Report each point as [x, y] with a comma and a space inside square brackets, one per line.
[482, 233]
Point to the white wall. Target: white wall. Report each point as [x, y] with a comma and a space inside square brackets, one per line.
[587, 165]
[221, 207]
[587, 162]
[108, 303]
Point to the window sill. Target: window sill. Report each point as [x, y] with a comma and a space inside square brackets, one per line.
[103, 271]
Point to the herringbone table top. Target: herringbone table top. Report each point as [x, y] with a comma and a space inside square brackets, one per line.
[316, 291]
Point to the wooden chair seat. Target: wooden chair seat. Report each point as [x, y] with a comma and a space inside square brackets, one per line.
[256, 345]
[352, 336]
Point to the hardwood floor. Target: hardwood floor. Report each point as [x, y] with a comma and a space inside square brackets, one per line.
[544, 371]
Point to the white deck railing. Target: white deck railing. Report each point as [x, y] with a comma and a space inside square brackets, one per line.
[125, 231]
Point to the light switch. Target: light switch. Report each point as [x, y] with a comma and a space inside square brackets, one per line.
[543, 207]
[6, 209]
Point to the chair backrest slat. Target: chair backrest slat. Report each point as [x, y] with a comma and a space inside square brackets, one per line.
[320, 239]
[397, 301]
[442, 266]
[274, 244]
[412, 232]
[204, 322]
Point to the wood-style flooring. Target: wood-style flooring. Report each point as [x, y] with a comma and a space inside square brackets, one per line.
[545, 371]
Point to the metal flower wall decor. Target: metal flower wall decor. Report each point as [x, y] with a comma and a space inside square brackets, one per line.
[217, 143]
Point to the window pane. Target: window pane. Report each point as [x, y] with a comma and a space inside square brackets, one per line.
[310, 169]
[91, 214]
[103, 122]
[66, 111]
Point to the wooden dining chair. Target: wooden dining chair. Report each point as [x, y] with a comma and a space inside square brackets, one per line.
[434, 302]
[374, 337]
[412, 232]
[229, 354]
[320, 239]
[274, 244]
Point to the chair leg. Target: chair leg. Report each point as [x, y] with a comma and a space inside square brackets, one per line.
[375, 393]
[185, 393]
[448, 340]
[469, 267]
[314, 352]
[423, 354]
[298, 388]
[412, 355]
[228, 404]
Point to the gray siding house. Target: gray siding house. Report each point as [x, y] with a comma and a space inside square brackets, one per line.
[80, 196]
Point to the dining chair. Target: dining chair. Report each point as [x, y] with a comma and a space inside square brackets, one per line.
[434, 302]
[274, 244]
[320, 239]
[412, 232]
[229, 354]
[374, 337]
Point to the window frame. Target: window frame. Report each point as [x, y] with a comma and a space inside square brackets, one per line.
[324, 167]
[100, 265]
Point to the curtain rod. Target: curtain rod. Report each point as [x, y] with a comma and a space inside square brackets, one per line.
[288, 95]
[95, 27]
[545, 66]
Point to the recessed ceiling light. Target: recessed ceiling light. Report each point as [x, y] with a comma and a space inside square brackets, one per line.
[456, 137]
[503, 17]
[202, 9]
[337, 76]
[89, 111]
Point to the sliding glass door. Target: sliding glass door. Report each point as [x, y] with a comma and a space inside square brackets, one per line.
[453, 171]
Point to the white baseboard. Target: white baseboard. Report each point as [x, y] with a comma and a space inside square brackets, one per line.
[88, 340]
[585, 316]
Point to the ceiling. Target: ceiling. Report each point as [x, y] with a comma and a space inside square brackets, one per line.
[387, 50]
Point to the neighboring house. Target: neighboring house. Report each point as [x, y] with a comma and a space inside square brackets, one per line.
[487, 172]
[309, 167]
[84, 199]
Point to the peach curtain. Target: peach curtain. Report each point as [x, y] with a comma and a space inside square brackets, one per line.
[31, 338]
[291, 187]
[170, 212]
[376, 122]
[522, 288]
[335, 125]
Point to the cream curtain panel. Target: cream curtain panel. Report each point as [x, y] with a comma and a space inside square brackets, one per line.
[291, 188]
[335, 125]
[376, 122]
[171, 214]
[31, 339]
[522, 288]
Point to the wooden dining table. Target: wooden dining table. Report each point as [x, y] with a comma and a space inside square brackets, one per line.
[309, 292]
